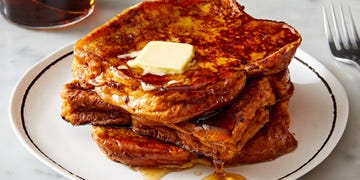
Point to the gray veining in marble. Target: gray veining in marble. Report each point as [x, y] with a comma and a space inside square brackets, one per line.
[21, 48]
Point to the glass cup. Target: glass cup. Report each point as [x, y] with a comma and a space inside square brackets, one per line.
[46, 14]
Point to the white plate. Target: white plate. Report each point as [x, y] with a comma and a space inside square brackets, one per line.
[319, 113]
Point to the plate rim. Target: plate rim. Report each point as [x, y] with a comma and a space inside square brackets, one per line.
[33, 73]
[18, 125]
[342, 104]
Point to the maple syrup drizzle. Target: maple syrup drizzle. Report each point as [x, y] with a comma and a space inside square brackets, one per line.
[228, 176]
[152, 173]
[220, 173]
[156, 173]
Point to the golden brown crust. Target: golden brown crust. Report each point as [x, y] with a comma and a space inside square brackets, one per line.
[271, 141]
[219, 135]
[127, 147]
[177, 103]
[83, 106]
[222, 134]
[230, 104]
[229, 45]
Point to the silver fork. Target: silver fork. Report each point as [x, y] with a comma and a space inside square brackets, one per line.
[342, 34]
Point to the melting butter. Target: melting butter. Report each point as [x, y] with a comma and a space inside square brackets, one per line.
[161, 58]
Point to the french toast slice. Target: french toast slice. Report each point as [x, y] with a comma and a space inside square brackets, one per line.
[272, 141]
[229, 46]
[221, 134]
[84, 106]
[123, 145]
[230, 127]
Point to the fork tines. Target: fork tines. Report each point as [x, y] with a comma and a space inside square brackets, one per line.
[345, 31]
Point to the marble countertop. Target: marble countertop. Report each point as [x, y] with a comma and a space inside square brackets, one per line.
[21, 48]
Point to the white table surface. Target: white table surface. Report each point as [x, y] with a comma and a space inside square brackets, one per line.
[21, 48]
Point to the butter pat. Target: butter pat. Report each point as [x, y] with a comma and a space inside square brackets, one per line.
[160, 58]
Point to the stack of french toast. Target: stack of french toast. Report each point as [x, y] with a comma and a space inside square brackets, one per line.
[230, 104]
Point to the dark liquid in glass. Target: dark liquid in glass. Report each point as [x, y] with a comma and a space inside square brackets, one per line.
[45, 13]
